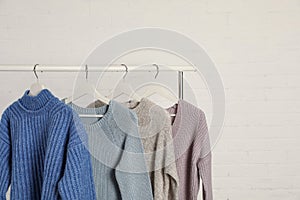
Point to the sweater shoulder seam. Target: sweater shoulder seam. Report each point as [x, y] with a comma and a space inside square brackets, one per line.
[75, 145]
[5, 116]
[64, 108]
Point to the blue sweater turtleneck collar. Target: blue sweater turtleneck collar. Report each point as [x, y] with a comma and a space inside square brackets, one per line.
[38, 102]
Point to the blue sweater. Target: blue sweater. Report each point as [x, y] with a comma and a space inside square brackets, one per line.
[43, 152]
[118, 160]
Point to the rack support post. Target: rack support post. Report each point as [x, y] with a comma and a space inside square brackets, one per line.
[180, 84]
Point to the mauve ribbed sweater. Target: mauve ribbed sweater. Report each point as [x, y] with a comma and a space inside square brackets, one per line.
[42, 151]
[192, 150]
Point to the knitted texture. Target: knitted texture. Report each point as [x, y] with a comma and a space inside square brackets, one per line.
[117, 153]
[42, 151]
[192, 150]
[156, 132]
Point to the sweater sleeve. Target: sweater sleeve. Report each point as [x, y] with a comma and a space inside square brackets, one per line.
[5, 156]
[204, 163]
[204, 167]
[165, 179]
[133, 184]
[77, 181]
[170, 182]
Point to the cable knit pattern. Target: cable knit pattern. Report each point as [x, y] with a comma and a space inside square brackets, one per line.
[192, 150]
[118, 157]
[42, 151]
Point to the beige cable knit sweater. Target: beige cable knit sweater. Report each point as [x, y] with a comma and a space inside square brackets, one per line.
[156, 134]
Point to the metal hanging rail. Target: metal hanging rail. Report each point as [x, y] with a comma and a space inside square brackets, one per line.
[74, 68]
[112, 68]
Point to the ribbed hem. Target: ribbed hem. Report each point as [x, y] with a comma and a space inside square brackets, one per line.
[38, 103]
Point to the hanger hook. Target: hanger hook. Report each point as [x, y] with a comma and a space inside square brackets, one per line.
[86, 72]
[126, 70]
[34, 71]
[157, 70]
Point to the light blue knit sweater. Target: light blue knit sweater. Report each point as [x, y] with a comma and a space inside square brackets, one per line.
[42, 151]
[119, 167]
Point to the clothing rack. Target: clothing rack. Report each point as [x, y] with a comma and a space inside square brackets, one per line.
[112, 68]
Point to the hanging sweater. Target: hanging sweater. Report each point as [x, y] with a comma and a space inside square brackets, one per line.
[117, 153]
[192, 150]
[155, 131]
[43, 151]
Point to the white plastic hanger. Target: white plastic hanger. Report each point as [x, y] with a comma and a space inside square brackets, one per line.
[84, 89]
[157, 89]
[124, 88]
[36, 87]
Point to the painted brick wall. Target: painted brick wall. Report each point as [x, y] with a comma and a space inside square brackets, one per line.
[254, 43]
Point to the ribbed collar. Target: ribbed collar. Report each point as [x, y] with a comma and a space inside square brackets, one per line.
[140, 107]
[105, 110]
[152, 118]
[36, 103]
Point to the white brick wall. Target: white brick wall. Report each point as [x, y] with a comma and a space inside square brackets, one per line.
[255, 45]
